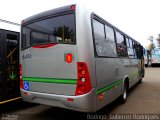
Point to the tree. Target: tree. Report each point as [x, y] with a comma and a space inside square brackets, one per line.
[151, 46]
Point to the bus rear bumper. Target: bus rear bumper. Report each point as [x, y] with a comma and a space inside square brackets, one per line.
[83, 103]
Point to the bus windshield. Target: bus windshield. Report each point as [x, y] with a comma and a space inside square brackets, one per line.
[59, 30]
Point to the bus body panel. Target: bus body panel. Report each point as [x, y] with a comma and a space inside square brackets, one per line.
[112, 70]
[53, 88]
[84, 40]
[49, 64]
[83, 103]
[107, 72]
[134, 72]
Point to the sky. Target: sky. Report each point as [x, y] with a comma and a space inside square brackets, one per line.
[138, 18]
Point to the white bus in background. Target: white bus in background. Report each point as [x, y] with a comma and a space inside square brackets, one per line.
[74, 59]
[155, 57]
[9, 60]
[152, 57]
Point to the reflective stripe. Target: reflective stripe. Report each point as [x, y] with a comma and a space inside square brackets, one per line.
[50, 80]
[10, 100]
[109, 87]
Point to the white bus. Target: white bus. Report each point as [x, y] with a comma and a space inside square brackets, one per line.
[9, 61]
[74, 59]
[155, 57]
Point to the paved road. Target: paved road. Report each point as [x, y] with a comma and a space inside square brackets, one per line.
[144, 98]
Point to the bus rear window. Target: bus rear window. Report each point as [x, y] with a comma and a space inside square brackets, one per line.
[60, 30]
[38, 38]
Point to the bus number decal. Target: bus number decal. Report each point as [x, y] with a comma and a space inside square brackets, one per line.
[27, 56]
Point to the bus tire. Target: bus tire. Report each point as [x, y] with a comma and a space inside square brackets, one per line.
[123, 97]
[146, 65]
[140, 81]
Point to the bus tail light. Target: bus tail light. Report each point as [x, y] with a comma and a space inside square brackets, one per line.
[83, 83]
[20, 74]
[73, 7]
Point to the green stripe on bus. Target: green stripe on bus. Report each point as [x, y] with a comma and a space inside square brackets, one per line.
[50, 80]
[109, 87]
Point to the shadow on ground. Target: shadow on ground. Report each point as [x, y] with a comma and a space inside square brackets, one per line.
[14, 106]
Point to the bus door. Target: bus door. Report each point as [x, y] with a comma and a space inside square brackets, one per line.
[1, 68]
[142, 61]
[11, 64]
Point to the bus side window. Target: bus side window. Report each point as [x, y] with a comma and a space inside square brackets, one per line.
[110, 42]
[98, 29]
[127, 44]
[104, 40]
[99, 37]
[137, 51]
[130, 49]
[134, 50]
[121, 45]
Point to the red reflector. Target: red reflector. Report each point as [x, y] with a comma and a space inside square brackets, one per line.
[73, 7]
[70, 99]
[25, 93]
[69, 57]
[100, 96]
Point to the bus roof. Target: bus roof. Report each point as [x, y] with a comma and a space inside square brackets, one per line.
[47, 13]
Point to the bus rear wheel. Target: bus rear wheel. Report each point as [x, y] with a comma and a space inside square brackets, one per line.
[146, 65]
[140, 81]
[123, 97]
